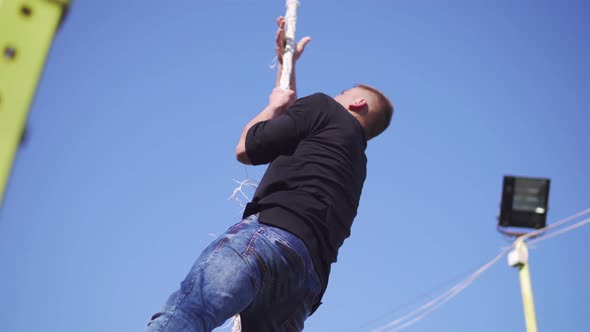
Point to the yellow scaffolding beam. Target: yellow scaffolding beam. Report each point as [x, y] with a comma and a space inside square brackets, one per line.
[27, 28]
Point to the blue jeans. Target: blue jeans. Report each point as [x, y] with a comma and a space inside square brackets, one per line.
[262, 272]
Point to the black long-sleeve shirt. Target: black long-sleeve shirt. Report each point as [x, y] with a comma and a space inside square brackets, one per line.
[313, 184]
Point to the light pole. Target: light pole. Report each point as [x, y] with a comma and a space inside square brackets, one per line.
[524, 204]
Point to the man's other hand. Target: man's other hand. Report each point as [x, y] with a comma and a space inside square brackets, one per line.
[281, 42]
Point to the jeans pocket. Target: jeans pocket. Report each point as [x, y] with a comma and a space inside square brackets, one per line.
[290, 254]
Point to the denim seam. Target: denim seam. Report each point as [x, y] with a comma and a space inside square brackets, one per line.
[184, 295]
[250, 251]
[165, 322]
[292, 253]
[233, 230]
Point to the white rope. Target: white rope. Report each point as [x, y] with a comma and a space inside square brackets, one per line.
[236, 194]
[290, 25]
[239, 191]
[274, 63]
[237, 324]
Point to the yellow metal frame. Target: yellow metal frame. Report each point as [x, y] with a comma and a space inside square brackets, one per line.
[27, 28]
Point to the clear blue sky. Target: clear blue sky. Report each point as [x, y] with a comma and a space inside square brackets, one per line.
[130, 157]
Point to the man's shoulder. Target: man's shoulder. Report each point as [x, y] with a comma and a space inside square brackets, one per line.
[318, 97]
[320, 103]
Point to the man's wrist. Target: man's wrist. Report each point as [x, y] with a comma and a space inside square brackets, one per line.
[273, 109]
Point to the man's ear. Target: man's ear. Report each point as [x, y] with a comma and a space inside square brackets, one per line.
[358, 105]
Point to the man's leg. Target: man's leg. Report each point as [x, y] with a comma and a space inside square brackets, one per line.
[290, 286]
[262, 272]
[219, 285]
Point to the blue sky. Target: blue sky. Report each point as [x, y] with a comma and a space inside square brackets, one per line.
[130, 157]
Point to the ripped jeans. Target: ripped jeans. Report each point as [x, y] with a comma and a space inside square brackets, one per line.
[264, 273]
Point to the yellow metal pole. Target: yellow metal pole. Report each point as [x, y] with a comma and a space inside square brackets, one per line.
[519, 258]
[27, 28]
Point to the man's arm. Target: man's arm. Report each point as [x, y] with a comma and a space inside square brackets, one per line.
[278, 103]
[279, 99]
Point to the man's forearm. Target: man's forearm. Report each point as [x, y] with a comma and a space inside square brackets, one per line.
[267, 113]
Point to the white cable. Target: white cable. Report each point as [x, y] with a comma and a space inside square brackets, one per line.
[555, 224]
[429, 307]
[290, 27]
[454, 293]
[434, 304]
[561, 231]
[552, 226]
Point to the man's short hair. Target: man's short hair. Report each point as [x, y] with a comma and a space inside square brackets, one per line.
[380, 121]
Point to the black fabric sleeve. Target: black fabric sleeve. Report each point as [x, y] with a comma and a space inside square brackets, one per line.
[269, 139]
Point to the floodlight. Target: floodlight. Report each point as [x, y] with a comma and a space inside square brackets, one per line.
[524, 202]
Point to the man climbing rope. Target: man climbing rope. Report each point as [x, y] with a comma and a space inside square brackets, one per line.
[272, 267]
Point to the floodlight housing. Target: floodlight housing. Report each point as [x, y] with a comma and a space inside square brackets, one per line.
[524, 202]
